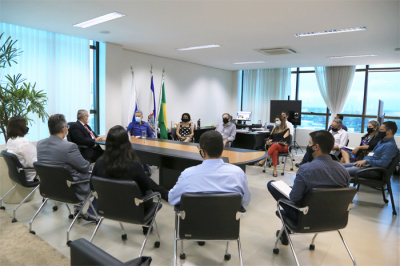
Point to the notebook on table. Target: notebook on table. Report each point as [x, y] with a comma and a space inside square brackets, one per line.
[282, 187]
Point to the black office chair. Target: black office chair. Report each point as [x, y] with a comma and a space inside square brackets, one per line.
[16, 172]
[69, 138]
[383, 179]
[85, 253]
[56, 183]
[283, 155]
[323, 210]
[121, 200]
[208, 217]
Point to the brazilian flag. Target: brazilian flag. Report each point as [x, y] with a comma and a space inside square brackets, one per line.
[162, 117]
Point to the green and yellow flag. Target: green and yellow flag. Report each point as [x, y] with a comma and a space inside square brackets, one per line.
[162, 116]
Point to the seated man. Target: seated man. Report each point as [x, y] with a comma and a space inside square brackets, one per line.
[341, 136]
[136, 127]
[288, 124]
[55, 151]
[227, 130]
[322, 172]
[213, 175]
[382, 154]
[338, 116]
[82, 134]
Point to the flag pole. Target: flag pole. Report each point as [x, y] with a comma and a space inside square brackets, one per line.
[159, 95]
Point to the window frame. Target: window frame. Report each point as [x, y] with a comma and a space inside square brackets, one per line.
[96, 85]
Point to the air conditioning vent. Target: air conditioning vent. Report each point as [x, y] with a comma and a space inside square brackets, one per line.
[277, 51]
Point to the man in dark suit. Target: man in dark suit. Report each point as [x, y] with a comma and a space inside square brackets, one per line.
[81, 134]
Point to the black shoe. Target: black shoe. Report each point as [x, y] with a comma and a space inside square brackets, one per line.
[299, 164]
[88, 217]
[201, 243]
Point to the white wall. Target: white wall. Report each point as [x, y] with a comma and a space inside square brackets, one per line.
[355, 138]
[201, 91]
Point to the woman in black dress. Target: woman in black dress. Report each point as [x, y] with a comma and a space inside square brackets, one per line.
[185, 129]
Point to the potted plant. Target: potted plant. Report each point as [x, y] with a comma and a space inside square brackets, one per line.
[17, 97]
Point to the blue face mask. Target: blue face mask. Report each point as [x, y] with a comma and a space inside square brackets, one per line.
[277, 123]
[138, 119]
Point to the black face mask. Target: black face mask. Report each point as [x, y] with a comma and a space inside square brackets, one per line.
[382, 134]
[335, 129]
[185, 120]
[226, 120]
[310, 150]
[370, 130]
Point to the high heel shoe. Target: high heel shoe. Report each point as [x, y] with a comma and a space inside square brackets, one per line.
[275, 175]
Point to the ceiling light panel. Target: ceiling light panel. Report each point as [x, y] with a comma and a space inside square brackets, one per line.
[254, 62]
[349, 56]
[98, 20]
[199, 47]
[330, 32]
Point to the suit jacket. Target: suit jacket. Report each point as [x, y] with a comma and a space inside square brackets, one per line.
[81, 136]
[58, 152]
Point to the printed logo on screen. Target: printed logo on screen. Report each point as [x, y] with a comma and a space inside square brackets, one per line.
[187, 235]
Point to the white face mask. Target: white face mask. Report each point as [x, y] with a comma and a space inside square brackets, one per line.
[66, 134]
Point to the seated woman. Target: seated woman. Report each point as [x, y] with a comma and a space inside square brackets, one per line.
[368, 143]
[184, 131]
[21, 146]
[120, 161]
[278, 141]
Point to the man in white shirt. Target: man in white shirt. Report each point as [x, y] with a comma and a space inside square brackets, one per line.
[288, 124]
[341, 136]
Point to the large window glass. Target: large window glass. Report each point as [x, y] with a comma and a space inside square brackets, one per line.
[317, 122]
[354, 103]
[312, 101]
[293, 87]
[353, 124]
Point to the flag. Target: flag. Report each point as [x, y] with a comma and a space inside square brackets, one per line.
[133, 102]
[151, 118]
[162, 117]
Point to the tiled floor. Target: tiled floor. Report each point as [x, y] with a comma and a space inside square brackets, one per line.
[372, 234]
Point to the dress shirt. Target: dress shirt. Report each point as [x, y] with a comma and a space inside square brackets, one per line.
[384, 153]
[322, 172]
[343, 127]
[25, 152]
[290, 127]
[90, 132]
[341, 138]
[136, 129]
[228, 132]
[212, 176]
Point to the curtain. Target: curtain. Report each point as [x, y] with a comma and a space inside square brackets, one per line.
[260, 86]
[335, 84]
[59, 65]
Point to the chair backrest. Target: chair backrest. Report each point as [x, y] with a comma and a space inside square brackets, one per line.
[209, 216]
[393, 164]
[328, 209]
[347, 143]
[69, 136]
[13, 165]
[53, 183]
[116, 200]
[173, 133]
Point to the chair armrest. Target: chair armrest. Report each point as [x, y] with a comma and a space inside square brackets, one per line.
[82, 147]
[70, 183]
[304, 210]
[150, 196]
[177, 208]
[375, 169]
[19, 169]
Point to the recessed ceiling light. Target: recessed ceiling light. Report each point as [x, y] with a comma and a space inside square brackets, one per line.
[199, 47]
[254, 62]
[330, 32]
[348, 56]
[98, 20]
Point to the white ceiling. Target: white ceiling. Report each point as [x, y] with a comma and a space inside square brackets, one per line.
[240, 27]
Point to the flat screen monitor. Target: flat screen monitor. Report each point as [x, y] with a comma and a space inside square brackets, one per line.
[293, 108]
[380, 109]
[243, 116]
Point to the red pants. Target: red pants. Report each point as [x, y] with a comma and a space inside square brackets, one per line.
[274, 150]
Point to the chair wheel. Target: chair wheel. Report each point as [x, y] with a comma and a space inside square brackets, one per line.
[276, 250]
[269, 166]
[282, 173]
[14, 220]
[71, 216]
[386, 201]
[201, 243]
[394, 213]
[124, 237]
[312, 247]
[227, 257]
[291, 169]
[2, 207]
[182, 256]
[263, 171]
[68, 243]
[32, 232]
[157, 244]
[55, 208]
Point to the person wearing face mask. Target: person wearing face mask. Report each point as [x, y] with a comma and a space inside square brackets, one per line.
[338, 116]
[213, 175]
[55, 151]
[322, 172]
[382, 154]
[135, 128]
[81, 134]
[20, 146]
[289, 125]
[227, 130]
[184, 130]
[368, 143]
[278, 142]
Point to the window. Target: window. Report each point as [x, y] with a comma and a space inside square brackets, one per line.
[354, 104]
[312, 101]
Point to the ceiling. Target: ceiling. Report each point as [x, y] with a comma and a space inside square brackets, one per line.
[240, 27]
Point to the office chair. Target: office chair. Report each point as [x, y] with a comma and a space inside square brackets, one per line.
[56, 183]
[362, 177]
[174, 136]
[284, 155]
[85, 253]
[121, 200]
[16, 172]
[69, 138]
[214, 216]
[323, 210]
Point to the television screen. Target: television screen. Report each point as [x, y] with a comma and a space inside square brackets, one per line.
[243, 116]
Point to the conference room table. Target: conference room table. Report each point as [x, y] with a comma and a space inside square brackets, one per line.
[173, 157]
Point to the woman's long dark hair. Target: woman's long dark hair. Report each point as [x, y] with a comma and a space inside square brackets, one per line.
[119, 154]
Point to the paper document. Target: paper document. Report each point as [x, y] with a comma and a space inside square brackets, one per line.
[350, 148]
[282, 187]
